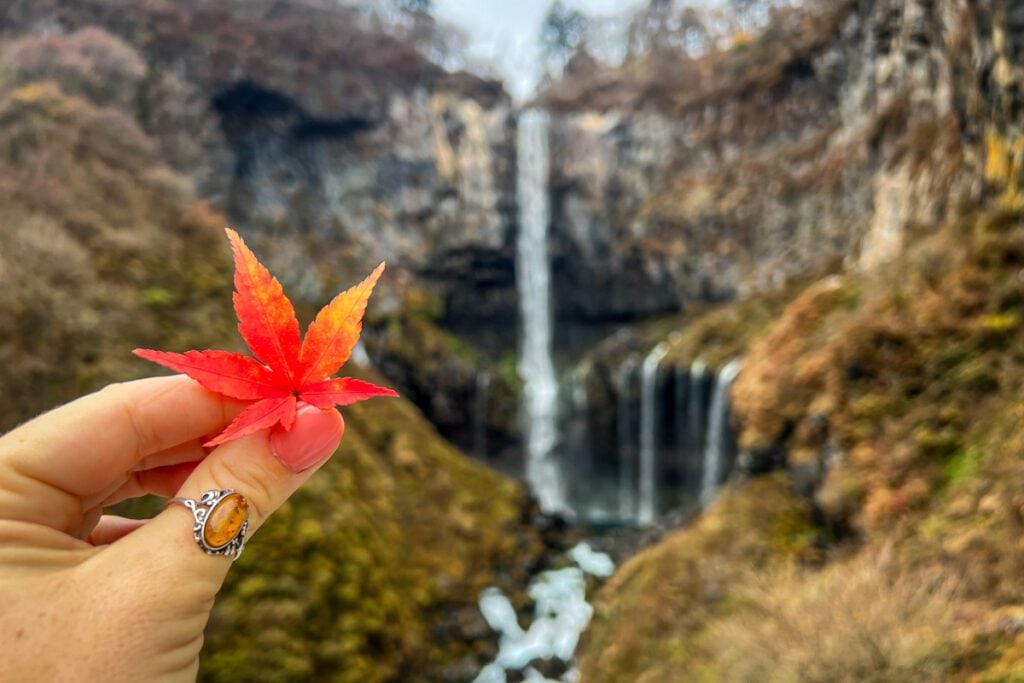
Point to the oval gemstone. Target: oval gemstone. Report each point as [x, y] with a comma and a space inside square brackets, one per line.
[225, 520]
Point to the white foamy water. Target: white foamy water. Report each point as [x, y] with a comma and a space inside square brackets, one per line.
[561, 614]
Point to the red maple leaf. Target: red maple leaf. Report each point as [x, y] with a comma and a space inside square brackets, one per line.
[284, 370]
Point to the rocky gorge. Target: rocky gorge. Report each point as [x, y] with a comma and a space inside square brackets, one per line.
[790, 267]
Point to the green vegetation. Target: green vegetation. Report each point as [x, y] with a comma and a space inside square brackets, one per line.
[438, 371]
[102, 251]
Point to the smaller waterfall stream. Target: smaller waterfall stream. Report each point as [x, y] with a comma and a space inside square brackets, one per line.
[627, 449]
[695, 410]
[360, 356]
[647, 484]
[718, 432]
[672, 439]
[578, 446]
[481, 405]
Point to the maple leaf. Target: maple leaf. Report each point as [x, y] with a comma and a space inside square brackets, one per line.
[285, 369]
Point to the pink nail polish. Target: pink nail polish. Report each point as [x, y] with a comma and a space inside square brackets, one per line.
[311, 440]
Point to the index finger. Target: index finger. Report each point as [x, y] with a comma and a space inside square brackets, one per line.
[79, 448]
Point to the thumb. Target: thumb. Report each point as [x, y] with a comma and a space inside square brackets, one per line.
[266, 468]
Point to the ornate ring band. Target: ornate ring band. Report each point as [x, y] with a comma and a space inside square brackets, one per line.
[221, 520]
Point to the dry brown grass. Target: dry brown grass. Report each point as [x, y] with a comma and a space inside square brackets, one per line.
[858, 621]
[652, 617]
[103, 249]
[786, 367]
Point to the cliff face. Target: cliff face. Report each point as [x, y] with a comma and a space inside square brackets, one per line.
[303, 118]
[730, 174]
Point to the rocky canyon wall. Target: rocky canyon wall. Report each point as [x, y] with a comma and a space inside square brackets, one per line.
[817, 144]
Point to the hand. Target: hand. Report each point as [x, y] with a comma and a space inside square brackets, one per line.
[91, 597]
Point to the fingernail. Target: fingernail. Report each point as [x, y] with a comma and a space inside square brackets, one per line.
[311, 440]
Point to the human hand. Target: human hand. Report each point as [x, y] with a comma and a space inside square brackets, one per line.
[90, 597]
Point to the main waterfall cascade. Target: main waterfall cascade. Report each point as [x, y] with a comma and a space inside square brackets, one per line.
[533, 282]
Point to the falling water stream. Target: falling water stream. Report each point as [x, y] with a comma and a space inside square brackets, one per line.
[647, 484]
[696, 408]
[480, 408]
[624, 415]
[718, 432]
[578, 447]
[701, 434]
[533, 281]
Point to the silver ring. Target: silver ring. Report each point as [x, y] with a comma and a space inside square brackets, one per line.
[221, 520]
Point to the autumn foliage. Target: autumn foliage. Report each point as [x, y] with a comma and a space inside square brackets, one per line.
[285, 369]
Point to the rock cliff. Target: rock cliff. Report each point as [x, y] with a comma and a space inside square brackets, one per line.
[704, 179]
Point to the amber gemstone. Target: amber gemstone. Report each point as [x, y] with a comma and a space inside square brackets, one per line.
[225, 520]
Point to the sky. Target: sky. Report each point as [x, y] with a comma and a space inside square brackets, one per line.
[505, 32]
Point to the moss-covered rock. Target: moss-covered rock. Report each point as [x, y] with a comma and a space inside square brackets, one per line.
[103, 250]
[472, 399]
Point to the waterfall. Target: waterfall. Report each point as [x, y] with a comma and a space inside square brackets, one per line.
[695, 411]
[627, 470]
[578, 447]
[581, 411]
[360, 356]
[533, 281]
[692, 428]
[480, 407]
[718, 432]
[682, 395]
[647, 485]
